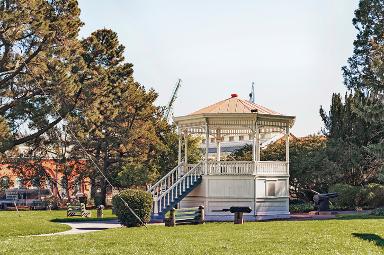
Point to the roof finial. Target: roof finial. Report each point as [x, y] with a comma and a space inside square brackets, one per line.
[234, 95]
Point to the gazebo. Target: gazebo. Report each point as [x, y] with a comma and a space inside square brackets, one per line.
[218, 184]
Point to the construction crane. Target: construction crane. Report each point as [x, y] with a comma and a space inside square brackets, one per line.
[168, 110]
[252, 94]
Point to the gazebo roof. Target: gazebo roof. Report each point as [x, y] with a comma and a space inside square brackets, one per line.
[234, 104]
[234, 114]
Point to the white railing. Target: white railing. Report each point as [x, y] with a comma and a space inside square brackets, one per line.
[178, 188]
[167, 181]
[247, 168]
[272, 168]
[230, 167]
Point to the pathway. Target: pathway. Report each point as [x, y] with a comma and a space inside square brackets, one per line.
[86, 227]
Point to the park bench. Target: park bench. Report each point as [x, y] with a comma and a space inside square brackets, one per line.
[185, 216]
[77, 210]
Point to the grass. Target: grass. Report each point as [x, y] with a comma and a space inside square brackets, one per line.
[339, 236]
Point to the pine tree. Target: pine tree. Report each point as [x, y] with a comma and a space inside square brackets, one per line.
[365, 70]
[41, 69]
[116, 119]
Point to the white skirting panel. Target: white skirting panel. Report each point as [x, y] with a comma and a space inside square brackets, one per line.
[217, 192]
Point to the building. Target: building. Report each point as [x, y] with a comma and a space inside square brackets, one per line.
[218, 184]
[53, 177]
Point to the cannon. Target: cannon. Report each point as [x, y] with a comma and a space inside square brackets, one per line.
[238, 211]
[322, 201]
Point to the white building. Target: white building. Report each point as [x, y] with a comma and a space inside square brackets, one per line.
[217, 184]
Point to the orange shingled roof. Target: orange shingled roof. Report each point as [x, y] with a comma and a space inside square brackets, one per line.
[235, 104]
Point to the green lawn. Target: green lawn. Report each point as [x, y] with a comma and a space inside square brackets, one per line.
[339, 236]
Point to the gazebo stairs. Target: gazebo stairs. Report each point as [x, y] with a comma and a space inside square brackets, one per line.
[173, 187]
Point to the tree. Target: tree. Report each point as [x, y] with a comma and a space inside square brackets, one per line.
[41, 69]
[349, 135]
[365, 69]
[116, 119]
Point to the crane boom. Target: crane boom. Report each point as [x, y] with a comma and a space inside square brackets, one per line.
[171, 102]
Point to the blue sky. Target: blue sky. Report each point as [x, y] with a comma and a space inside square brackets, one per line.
[292, 50]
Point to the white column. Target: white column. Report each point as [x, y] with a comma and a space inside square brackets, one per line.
[185, 149]
[257, 138]
[253, 146]
[287, 144]
[180, 146]
[218, 144]
[207, 148]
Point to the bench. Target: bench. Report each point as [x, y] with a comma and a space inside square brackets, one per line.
[185, 216]
[77, 210]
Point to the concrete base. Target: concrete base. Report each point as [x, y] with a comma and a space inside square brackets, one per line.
[247, 218]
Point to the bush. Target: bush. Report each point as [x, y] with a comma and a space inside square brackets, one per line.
[347, 195]
[371, 196]
[140, 202]
[301, 207]
[378, 212]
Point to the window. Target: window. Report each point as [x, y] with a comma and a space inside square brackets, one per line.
[241, 138]
[212, 140]
[250, 137]
[231, 138]
[271, 188]
[204, 141]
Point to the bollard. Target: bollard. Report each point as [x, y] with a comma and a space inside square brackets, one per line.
[239, 218]
[171, 221]
[100, 209]
[202, 215]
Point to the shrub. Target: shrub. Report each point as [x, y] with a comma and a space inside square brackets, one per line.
[139, 201]
[378, 212]
[301, 207]
[52, 202]
[347, 195]
[371, 196]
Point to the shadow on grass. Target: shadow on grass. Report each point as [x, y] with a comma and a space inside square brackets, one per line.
[61, 220]
[371, 238]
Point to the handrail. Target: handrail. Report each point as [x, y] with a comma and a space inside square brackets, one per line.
[152, 188]
[179, 180]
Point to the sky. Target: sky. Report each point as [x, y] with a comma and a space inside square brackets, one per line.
[292, 50]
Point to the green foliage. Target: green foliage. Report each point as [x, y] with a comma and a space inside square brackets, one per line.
[310, 169]
[377, 212]
[365, 71]
[371, 196]
[301, 207]
[39, 54]
[139, 201]
[349, 135]
[347, 195]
